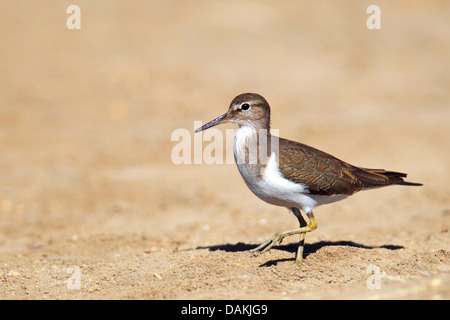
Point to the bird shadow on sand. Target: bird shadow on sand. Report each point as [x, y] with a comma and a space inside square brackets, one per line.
[310, 248]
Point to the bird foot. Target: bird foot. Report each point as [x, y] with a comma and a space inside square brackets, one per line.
[269, 243]
[299, 261]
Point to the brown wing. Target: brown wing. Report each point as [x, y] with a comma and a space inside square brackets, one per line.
[327, 175]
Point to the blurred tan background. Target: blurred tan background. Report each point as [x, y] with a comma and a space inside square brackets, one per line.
[86, 118]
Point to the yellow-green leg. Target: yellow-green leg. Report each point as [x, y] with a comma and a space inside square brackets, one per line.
[299, 257]
[279, 236]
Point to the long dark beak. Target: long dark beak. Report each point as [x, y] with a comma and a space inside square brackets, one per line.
[222, 119]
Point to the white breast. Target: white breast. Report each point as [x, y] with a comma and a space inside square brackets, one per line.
[269, 184]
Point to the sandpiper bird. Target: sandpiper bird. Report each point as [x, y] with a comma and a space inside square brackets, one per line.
[290, 174]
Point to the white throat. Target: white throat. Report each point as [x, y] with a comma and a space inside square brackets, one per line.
[246, 136]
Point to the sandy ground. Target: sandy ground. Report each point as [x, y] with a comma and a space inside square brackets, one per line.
[92, 206]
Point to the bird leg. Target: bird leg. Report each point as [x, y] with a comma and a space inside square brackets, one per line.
[299, 257]
[279, 236]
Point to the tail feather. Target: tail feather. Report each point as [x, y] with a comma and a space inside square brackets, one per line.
[407, 183]
[373, 178]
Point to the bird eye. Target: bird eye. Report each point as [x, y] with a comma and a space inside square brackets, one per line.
[245, 106]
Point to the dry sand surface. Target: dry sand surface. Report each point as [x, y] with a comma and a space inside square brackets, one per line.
[89, 192]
